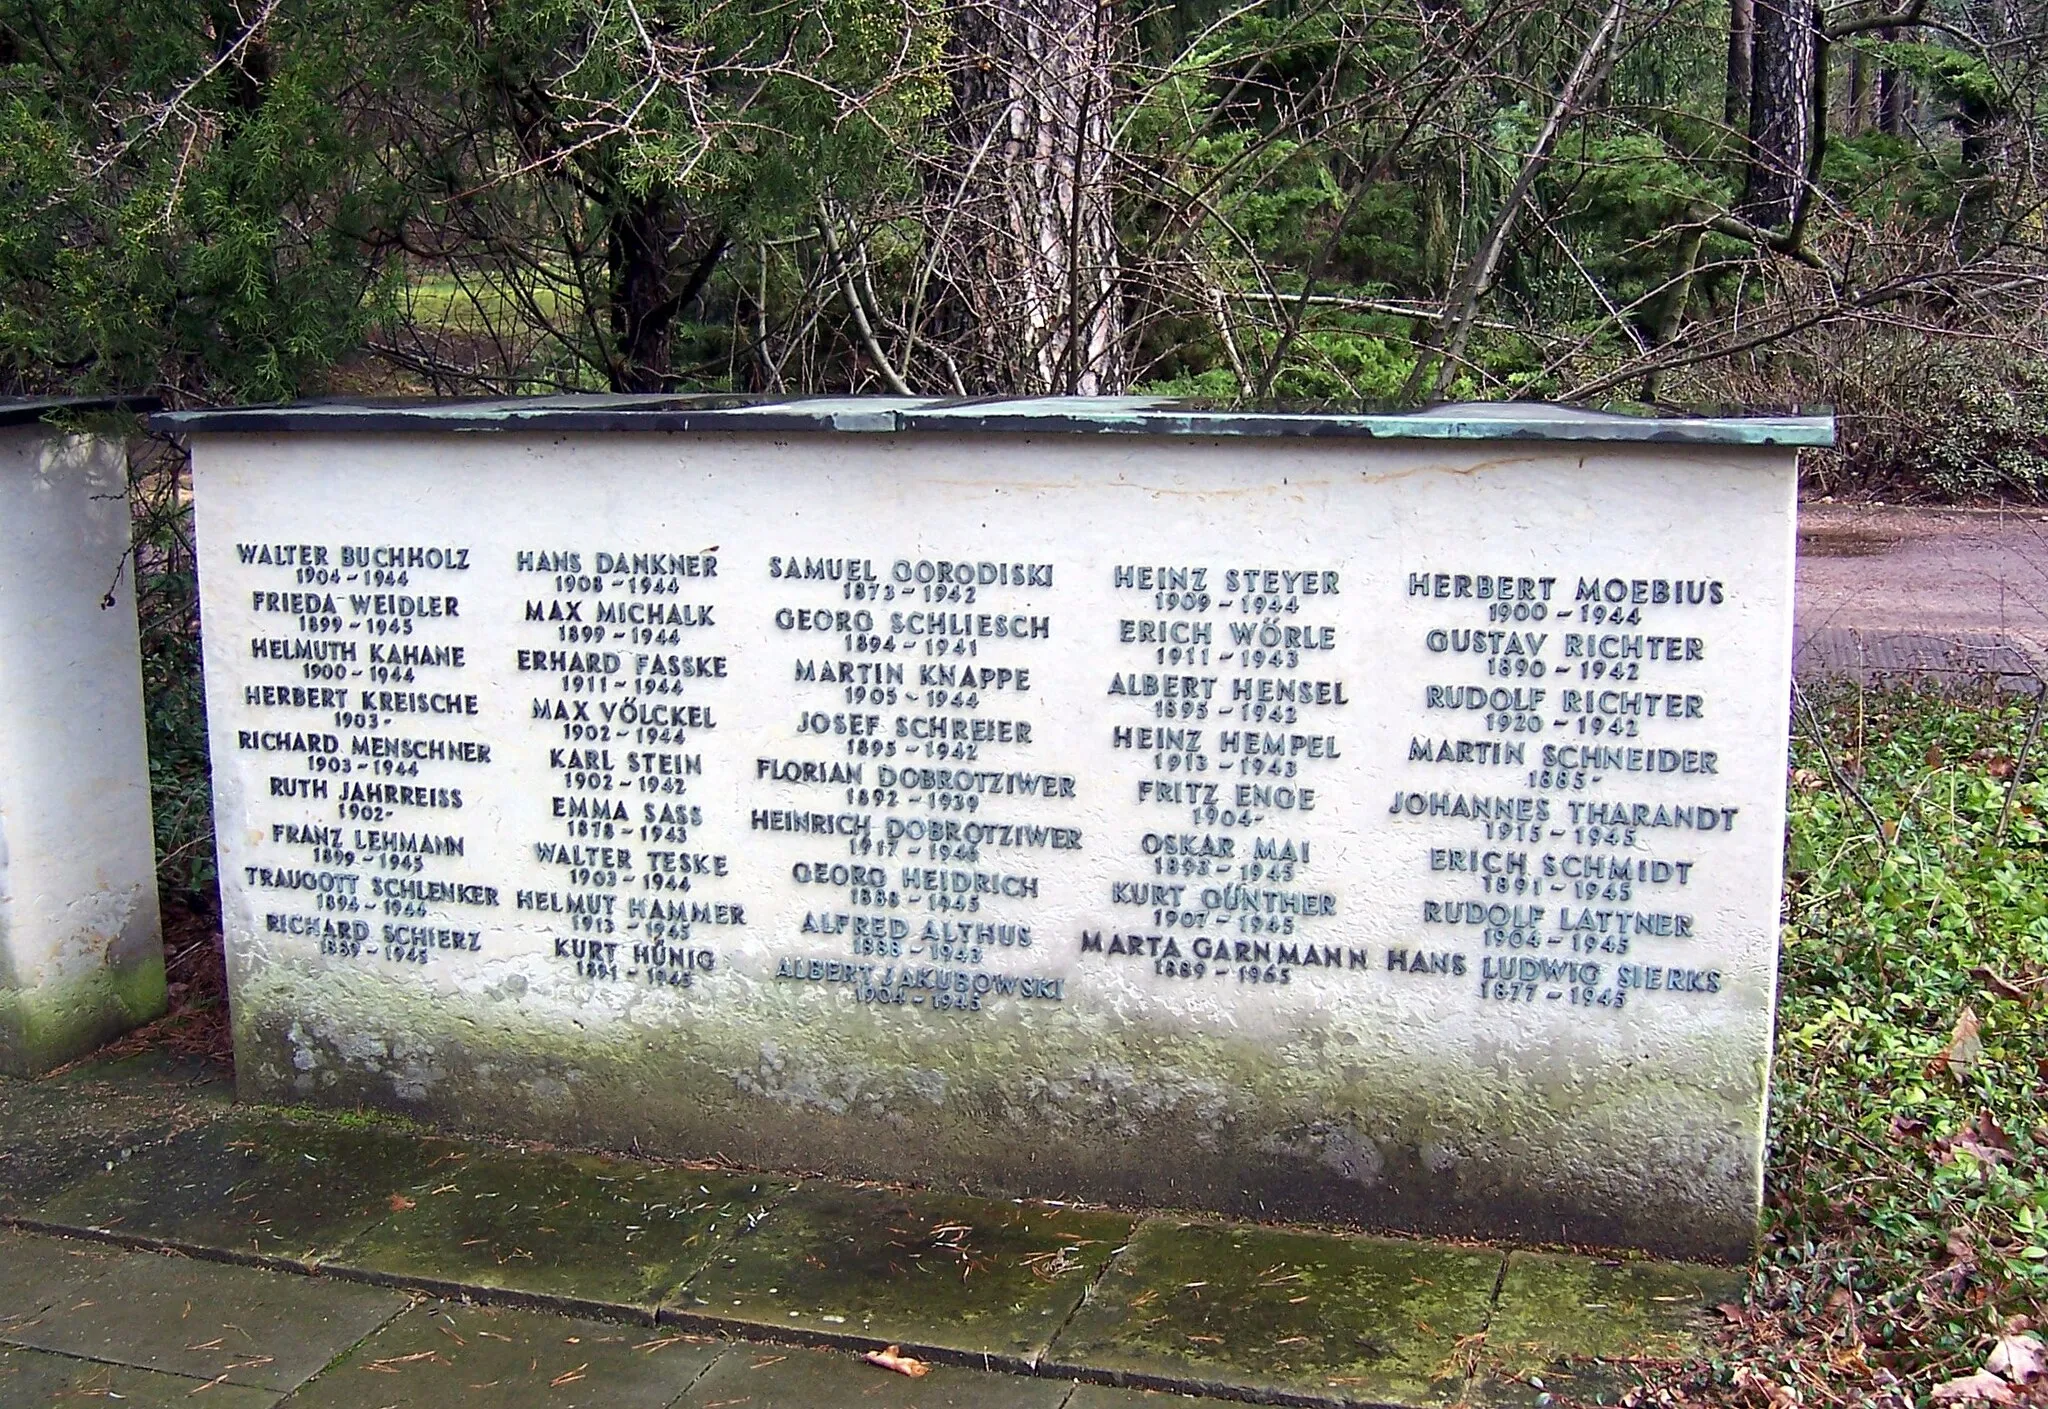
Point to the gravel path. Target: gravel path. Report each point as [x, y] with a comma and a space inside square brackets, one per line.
[1887, 590]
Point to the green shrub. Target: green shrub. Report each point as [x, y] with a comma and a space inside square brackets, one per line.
[1956, 422]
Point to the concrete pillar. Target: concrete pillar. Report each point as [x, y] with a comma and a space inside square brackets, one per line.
[81, 942]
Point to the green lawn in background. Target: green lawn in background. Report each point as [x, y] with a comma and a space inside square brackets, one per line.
[439, 301]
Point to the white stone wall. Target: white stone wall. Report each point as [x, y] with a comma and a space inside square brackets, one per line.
[1039, 1003]
[80, 946]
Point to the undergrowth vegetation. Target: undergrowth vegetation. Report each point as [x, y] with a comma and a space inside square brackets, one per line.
[173, 688]
[1907, 1207]
[1920, 421]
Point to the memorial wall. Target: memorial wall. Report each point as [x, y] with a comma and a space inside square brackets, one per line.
[1379, 824]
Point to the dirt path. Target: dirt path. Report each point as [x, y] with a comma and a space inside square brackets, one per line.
[1888, 590]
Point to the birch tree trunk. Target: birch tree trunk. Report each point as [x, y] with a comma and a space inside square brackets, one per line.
[1028, 240]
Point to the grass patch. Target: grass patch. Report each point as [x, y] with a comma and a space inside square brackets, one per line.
[1907, 1217]
[482, 304]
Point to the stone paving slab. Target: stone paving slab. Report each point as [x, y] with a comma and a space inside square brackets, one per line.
[38, 1274]
[975, 1278]
[584, 1231]
[1012, 1300]
[1087, 1396]
[269, 1189]
[37, 1379]
[152, 1072]
[440, 1354]
[54, 1132]
[207, 1321]
[1290, 1315]
[774, 1377]
[1574, 1325]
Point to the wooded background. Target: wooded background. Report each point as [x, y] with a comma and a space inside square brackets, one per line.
[1352, 202]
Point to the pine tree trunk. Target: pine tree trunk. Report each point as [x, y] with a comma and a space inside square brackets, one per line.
[638, 240]
[1030, 249]
[1782, 129]
[1741, 41]
[650, 287]
[1891, 94]
[1856, 110]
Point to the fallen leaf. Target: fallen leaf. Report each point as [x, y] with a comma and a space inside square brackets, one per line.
[1959, 1245]
[400, 1203]
[2020, 1359]
[1983, 1387]
[1806, 780]
[1906, 1127]
[1983, 1139]
[2000, 766]
[1776, 1395]
[1998, 983]
[894, 1359]
[1965, 1049]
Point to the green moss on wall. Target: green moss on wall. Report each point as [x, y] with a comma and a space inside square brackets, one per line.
[49, 1025]
[1051, 1102]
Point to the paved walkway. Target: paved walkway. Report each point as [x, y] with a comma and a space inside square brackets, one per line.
[162, 1245]
[1890, 591]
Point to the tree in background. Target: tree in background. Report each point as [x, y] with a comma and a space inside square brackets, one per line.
[183, 200]
[577, 173]
[1024, 233]
[1338, 200]
[1783, 113]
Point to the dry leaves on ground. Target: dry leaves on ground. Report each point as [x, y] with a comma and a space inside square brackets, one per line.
[2018, 1358]
[2016, 1361]
[894, 1359]
[1965, 1047]
[1764, 1388]
[1983, 1139]
[1982, 1387]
